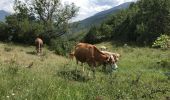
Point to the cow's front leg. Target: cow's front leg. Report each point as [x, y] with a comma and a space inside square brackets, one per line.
[104, 67]
[36, 49]
[40, 50]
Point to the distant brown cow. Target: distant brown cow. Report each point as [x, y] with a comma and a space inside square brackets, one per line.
[39, 44]
[90, 54]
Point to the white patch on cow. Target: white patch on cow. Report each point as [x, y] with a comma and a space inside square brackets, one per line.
[112, 58]
[114, 66]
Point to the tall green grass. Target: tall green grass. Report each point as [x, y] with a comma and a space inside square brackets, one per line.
[143, 73]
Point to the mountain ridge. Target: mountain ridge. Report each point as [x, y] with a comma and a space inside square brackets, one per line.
[3, 14]
[98, 18]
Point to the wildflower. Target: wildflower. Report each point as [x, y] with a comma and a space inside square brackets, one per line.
[13, 94]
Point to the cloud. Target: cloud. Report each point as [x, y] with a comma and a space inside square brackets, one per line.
[7, 5]
[105, 2]
[91, 7]
[87, 7]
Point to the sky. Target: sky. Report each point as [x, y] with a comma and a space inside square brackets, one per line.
[87, 8]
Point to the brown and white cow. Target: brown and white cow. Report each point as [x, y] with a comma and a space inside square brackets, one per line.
[38, 44]
[115, 55]
[114, 58]
[90, 54]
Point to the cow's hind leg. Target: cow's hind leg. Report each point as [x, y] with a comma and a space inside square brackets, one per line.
[94, 72]
[36, 49]
[83, 67]
[41, 48]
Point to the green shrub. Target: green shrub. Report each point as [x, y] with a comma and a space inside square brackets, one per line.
[164, 63]
[62, 46]
[162, 42]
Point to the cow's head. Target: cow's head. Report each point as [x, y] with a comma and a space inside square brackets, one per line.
[108, 59]
[111, 59]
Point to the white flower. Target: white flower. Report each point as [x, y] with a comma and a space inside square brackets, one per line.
[13, 94]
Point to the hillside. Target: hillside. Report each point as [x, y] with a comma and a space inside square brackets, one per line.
[99, 17]
[3, 14]
[142, 74]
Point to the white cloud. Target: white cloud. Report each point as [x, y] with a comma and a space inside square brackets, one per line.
[100, 8]
[90, 7]
[87, 7]
[6, 5]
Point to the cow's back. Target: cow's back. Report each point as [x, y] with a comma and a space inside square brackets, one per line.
[83, 52]
[38, 41]
[99, 56]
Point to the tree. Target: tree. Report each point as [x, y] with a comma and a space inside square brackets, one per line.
[3, 31]
[106, 30]
[91, 36]
[54, 15]
[46, 18]
[155, 15]
[141, 23]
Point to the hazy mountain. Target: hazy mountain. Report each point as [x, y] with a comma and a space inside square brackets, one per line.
[3, 14]
[98, 18]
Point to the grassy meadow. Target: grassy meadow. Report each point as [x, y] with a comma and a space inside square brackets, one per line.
[143, 73]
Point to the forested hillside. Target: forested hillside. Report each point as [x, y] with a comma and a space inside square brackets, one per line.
[141, 23]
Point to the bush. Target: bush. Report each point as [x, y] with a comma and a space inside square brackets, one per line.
[62, 46]
[164, 63]
[162, 42]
